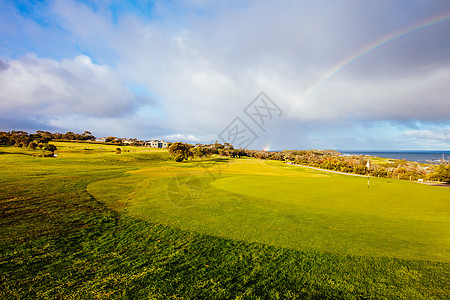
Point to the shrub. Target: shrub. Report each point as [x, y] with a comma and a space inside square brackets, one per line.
[51, 147]
[32, 145]
[179, 157]
[362, 170]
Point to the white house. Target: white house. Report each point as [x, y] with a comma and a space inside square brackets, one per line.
[156, 144]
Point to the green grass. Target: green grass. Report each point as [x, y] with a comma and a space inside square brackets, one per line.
[104, 226]
[290, 206]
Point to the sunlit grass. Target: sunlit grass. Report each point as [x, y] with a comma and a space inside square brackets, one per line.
[59, 241]
[291, 207]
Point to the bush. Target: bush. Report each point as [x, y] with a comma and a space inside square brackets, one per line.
[51, 147]
[32, 145]
[345, 169]
[179, 157]
[180, 151]
[442, 174]
[362, 170]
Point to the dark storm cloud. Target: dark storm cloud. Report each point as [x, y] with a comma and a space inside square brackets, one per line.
[21, 122]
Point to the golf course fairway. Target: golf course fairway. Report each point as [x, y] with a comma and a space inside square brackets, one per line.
[288, 206]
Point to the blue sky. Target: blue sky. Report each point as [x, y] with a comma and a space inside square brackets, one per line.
[184, 70]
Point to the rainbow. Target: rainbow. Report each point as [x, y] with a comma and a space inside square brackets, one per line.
[267, 146]
[369, 48]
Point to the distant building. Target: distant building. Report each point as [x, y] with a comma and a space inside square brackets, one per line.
[102, 140]
[156, 144]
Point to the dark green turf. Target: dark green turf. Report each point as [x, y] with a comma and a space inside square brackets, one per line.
[57, 241]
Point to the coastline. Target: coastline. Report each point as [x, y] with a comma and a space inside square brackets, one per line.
[420, 156]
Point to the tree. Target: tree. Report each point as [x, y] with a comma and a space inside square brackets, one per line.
[44, 140]
[87, 135]
[180, 151]
[443, 173]
[200, 151]
[32, 145]
[4, 140]
[179, 157]
[51, 147]
[228, 146]
[69, 135]
[261, 154]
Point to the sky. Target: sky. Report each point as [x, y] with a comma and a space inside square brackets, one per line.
[274, 75]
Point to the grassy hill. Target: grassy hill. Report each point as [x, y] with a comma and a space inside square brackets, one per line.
[95, 224]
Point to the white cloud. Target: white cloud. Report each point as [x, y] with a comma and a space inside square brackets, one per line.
[42, 87]
[439, 135]
[204, 71]
[183, 137]
[204, 61]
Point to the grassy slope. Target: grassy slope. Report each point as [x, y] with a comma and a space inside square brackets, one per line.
[288, 206]
[57, 241]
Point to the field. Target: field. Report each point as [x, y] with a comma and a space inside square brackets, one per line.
[95, 224]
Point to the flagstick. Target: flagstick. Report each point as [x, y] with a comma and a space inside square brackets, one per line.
[368, 174]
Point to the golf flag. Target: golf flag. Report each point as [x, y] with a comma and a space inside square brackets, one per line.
[368, 168]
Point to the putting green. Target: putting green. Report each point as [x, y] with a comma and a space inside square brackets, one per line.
[289, 206]
[346, 194]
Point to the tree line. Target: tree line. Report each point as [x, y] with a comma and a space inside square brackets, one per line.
[23, 139]
[40, 139]
[329, 160]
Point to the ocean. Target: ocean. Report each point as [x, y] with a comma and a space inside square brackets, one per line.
[419, 156]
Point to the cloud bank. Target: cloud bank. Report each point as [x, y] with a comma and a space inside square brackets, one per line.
[202, 62]
[39, 88]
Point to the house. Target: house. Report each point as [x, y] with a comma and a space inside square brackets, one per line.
[101, 140]
[156, 144]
